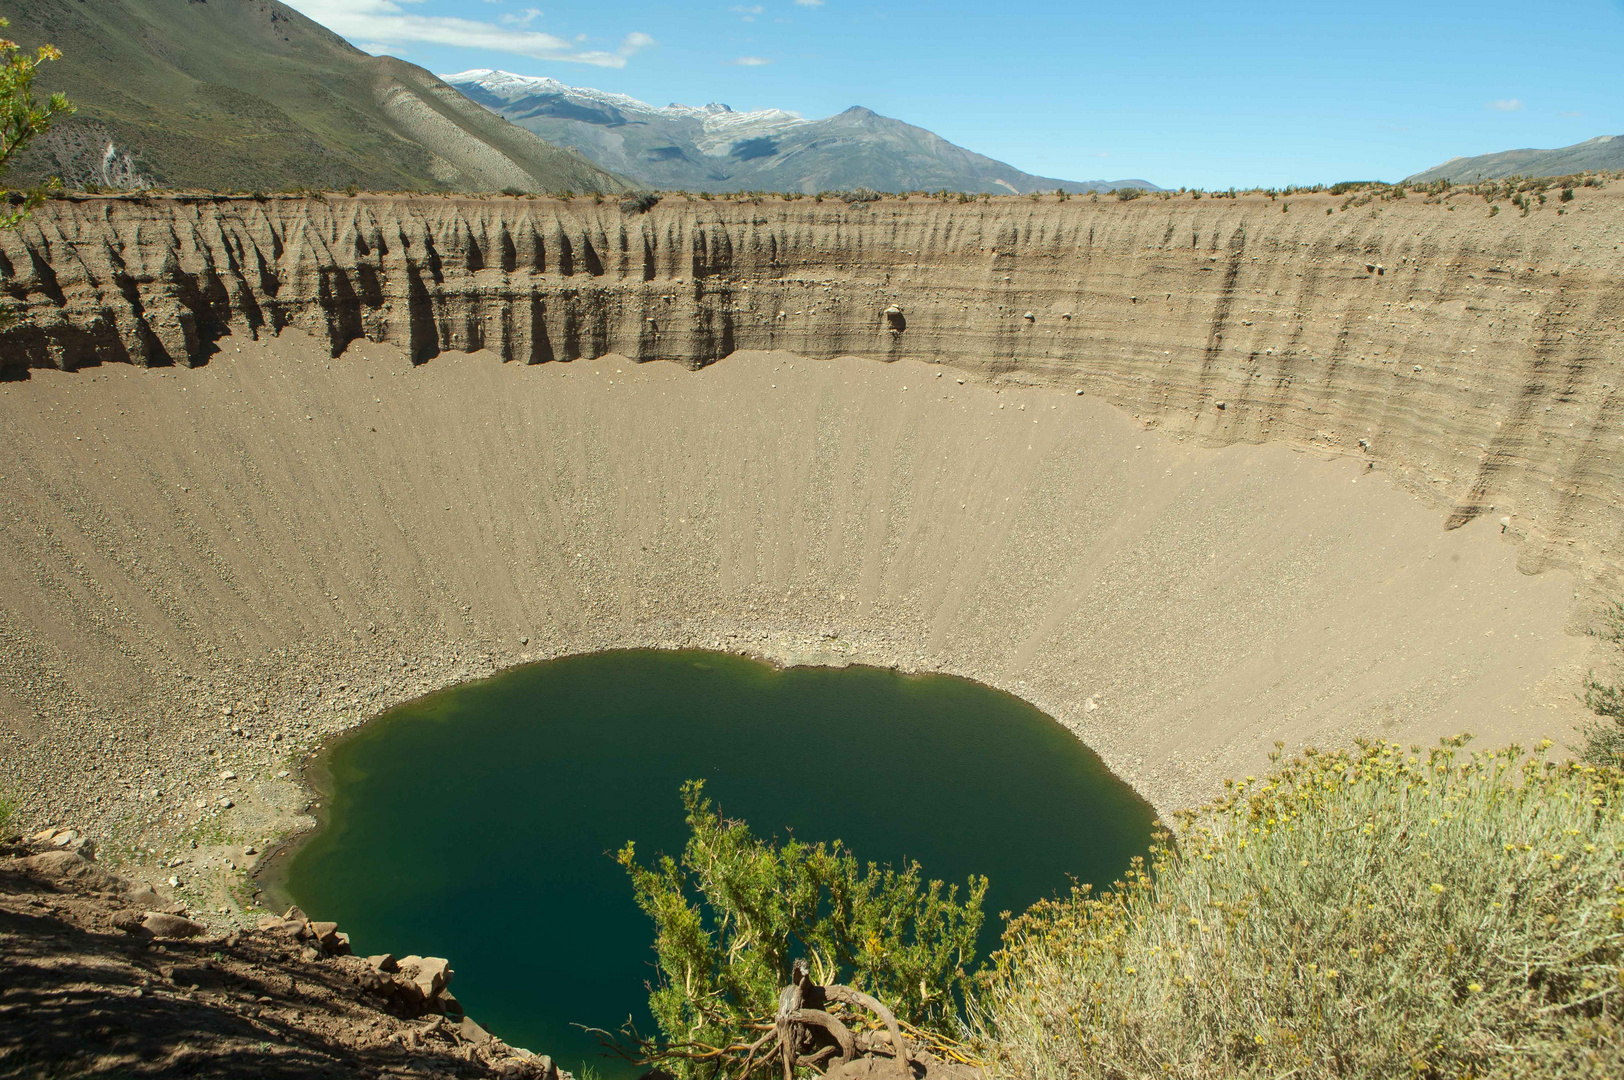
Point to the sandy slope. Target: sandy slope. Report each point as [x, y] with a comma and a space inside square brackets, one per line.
[1479, 357]
[307, 540]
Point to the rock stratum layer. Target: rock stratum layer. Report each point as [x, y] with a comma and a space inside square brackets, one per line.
[206, 570]
[1478, 355]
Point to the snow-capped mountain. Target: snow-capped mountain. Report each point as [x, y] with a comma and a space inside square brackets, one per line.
[714, 148]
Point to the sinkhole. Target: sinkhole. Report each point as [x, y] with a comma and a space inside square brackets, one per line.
[480, 823]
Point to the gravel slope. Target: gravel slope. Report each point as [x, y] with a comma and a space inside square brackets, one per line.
[206, 571]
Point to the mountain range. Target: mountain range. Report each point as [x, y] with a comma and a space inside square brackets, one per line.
[250, 94]
[714, 148]
[1605, 153]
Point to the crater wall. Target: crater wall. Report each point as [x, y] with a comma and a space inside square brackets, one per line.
[1479, 357]
[238, 542]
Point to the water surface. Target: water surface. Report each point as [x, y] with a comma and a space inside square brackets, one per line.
[478, 823]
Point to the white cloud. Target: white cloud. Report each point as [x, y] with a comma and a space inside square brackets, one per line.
[1571, 114]
[750, 61]
[523, 18]
[808, 3]
[748, 14]
[1506, 105]
[388, 21]
[378, 48]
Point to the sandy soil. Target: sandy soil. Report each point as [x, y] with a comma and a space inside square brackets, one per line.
[205, 572]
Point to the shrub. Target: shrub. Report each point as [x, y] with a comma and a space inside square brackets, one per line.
[729, 914]
[639, 204]
[1567, 195]
[22, 118]
[7, 810]
[512, 192]
[1354, 914]
[1604, 737]
[860, 195]
[1128, 194]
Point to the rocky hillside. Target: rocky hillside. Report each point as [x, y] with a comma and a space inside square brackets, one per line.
[713, 148]
[1604, 153]
[250, 95]
[97, 983]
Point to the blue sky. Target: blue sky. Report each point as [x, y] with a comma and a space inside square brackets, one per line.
[1203, 94]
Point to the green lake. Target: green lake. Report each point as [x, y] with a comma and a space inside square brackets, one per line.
[479, 823]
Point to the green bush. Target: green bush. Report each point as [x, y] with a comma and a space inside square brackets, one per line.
[731, 917]
[640, 203]
[1604, 737]
[22, 118]
[1365, 914]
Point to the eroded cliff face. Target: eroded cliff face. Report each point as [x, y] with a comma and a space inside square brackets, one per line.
[1478, 356]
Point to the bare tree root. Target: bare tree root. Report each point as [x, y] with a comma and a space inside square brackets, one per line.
[804, 1033]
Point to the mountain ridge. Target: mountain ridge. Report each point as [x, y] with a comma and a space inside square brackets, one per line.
[253, 95]
[713, 148]
[1603, 153]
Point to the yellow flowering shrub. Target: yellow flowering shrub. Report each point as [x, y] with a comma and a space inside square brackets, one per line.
[1367, 913]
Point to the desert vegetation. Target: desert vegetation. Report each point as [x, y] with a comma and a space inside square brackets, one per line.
[1603, 742]
[23, 118]
[736, 911]
[1375, 912]
[1379, 912]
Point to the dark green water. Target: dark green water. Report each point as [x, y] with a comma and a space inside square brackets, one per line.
[478, 823]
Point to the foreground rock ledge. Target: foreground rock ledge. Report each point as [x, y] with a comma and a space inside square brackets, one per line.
[94, 984]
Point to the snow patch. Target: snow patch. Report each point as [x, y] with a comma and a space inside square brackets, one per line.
[720, 121]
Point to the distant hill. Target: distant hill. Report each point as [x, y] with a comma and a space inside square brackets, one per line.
[250, 94]
[1604, 153]
[713, 148]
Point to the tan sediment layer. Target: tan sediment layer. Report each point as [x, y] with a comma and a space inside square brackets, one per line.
[1479, 358]
[307, 540]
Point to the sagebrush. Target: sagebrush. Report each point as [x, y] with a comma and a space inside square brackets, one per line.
[1604, 736]
[1377, 913]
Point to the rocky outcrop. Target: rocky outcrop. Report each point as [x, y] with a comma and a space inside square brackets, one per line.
[94, 984]
[1480, 356]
